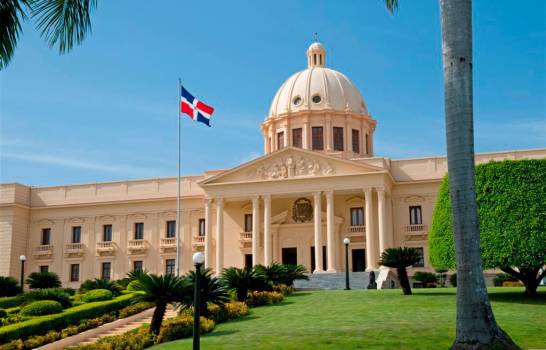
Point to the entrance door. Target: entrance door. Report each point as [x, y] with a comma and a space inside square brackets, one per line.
[359, 260]
[290, 256]
[324, 258]
[248, 260]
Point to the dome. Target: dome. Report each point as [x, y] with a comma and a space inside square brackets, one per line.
[317, 88]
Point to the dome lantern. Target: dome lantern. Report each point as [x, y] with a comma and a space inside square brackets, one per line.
[316, 55]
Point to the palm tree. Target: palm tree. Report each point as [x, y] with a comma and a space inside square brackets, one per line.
[294, 272]
[99, 283]
[400, 259]
[212, 290]
[43, 280]
[61, 22]
[476, 323]
[272, 274]
[241, 281]
[161, 290]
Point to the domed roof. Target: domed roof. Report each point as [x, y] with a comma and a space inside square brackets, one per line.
[317, 88]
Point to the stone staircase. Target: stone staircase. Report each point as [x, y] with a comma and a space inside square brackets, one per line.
[335, 280]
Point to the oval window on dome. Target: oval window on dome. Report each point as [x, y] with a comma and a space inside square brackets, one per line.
[297, 101]
[316, 99]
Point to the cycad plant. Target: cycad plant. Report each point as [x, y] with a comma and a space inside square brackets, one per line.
[400, 258]
[162, 291]
[43, 280]
[9, 286]
[99, 283]
[241, 281]
[212, 290]
[294, 272]
[272, 274]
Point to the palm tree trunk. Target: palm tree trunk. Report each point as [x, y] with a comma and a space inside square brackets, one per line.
[476, 325]
[403, 279]
[157, 317]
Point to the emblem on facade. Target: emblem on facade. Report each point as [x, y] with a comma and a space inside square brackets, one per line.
[302, 211]
[291, 166]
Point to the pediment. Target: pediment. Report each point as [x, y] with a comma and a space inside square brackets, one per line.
[290, 163]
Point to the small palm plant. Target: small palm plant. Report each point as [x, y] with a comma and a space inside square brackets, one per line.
[99, 283]
[161, 290]
[212, 290]
[294, 272]
[43, 280]
[272, 275]
[400, 259]
[241, 281]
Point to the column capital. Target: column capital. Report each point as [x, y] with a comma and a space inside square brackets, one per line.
[367, 190]
[317, 194]
[329, 194]
[219, 200]
[266, 197]
[207, 200]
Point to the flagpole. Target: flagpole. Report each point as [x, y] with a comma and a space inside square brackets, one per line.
[178, 189]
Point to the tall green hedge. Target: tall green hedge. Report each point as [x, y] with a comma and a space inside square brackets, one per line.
[511, 197]
[43, 324]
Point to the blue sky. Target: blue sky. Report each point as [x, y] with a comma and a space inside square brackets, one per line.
[107, 110]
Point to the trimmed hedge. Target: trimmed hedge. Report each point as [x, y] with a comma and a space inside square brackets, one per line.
[3, 313]
[97, 295]
[263, 298]
[56, 294]
[42, 307]
[72, 316]
[9, 302]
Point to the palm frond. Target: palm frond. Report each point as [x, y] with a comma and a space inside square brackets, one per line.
[11, 16]
[63, 21]
[392, 6]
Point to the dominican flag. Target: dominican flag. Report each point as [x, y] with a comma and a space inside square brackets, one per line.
[196, 109]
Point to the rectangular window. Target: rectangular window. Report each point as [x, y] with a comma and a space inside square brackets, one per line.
[356, 141]
[44, 268]
[74, 272]
[169, 267]
[317, 138]
[76, 234]
[421, 262]
[105, 273]
[367, 145]
[280, 140]
[248, 260]
[415, 215]
[201, 227]
[248, 222]
[357, 216]
[171, 229]
[107, 233]
[46, 236]
[139, 230]
[297, 140]
[138, 265]
[338, 138]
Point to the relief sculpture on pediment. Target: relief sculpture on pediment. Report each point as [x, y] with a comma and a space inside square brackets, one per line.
[291, 166]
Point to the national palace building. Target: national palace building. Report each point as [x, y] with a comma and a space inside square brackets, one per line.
[318, 182]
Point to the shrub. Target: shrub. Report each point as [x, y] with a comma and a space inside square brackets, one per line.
[512, 284]
[283, 289]
[257, 298]
[133, 286]
[44, 324]
[453, 280]
[426, 278]
[216, 313]
[34, 342]
[182, 327]
[97, 295]
[56, 294]
[13, 345]
[69, 331]
[42, 307]
[9, 302]
[9, 286]
[69, 291]
[135, 309]
[499, 279]
[235, 309]
[42, 280]
[98, 283]
[137, 339]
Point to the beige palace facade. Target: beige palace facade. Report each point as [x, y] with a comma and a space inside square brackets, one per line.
[317, 183]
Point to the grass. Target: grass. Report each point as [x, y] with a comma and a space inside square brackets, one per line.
[360, 319]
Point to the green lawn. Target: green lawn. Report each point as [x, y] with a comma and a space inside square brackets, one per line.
[360, 319]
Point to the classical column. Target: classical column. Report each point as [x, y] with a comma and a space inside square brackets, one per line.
[318, 232]
[330, 242]
[371, 259]
[382, 213]
[306, 142]
[267, 230]
[208, 233]
[255, 229]
[219, 235]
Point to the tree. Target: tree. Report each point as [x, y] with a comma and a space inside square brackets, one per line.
[9, 286]
[241, 281]
[212, 290]
[61, 22]
[400, 258]
[511, 197]
[476, 326]
[425, 278]
[42, 280]
[162, 291]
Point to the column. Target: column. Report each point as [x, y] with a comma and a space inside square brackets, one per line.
[328, 135]
[267, 230]
[330, 241]
[208, 233]
[306, 143]
[371, 259]
[255, 229]
[318, 232]
[219, 235]
[382, 213]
